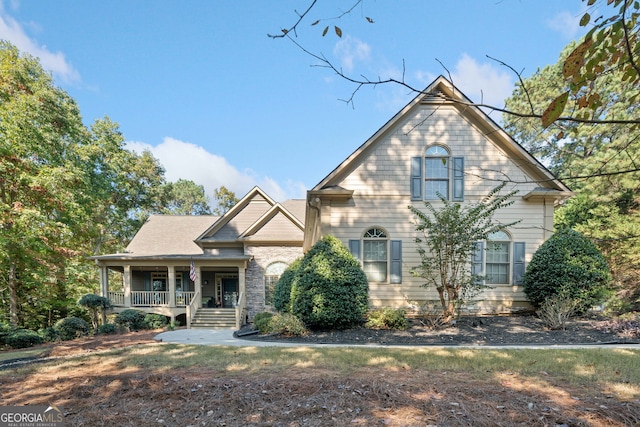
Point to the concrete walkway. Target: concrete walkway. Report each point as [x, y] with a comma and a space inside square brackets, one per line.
[225, 337]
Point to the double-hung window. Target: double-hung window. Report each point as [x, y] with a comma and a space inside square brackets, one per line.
[380, 257]
[498, 260]
[437, 174]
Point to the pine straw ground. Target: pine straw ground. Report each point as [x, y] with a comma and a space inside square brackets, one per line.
[106, 389]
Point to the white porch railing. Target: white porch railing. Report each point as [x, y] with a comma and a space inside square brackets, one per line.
[116, 298]
[183, 298]
[151, 298]
[241, 310]
[192, 308]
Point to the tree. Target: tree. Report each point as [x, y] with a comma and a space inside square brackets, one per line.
[225, 200]
[599, 162]
[329, 290]
[612, 43]
[446, 240]
[568, 264]
[97, 306]
[184, 197]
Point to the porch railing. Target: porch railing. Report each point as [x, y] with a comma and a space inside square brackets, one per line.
[151, 298]
[241, 310]
[192, 308]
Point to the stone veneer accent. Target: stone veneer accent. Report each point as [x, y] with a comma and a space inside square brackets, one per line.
[262, 257]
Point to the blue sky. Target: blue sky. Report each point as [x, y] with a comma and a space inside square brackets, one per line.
[201, 85]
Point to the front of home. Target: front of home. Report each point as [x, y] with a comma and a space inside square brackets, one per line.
[438, 144]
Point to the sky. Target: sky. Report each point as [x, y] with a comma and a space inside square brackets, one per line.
[202, 86]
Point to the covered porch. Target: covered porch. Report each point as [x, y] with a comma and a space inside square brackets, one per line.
[165, 286]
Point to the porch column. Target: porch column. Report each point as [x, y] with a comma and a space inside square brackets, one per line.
[126, 277]
[197, 287]
[104, 281]
[171, 277]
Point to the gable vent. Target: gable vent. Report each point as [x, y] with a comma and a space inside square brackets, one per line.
[436, 96]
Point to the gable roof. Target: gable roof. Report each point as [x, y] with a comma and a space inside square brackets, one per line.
[169, 235]
[257, 217]
[442, 92]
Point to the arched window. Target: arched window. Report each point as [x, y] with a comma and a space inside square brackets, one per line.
[437, 173]
[375, 257]
[271, 276]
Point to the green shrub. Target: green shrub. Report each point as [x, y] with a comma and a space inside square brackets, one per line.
[387, 318]
[107, 329]
[71, 327]
[568, 264]
[95, 304]
[330, 290]
[23, 338]
[48, 334]
[286, 324]
[261, 321]
[282, 291]
[132, 320]
[155, 321]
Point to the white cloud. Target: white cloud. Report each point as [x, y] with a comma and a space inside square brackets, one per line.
[350, 50]
[184, 160]
[485, 82]
[565, 23]
[11, 30]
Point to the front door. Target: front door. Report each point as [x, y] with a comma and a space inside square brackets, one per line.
[229, 292]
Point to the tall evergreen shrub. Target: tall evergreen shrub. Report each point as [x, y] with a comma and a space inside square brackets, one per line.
[330, 290]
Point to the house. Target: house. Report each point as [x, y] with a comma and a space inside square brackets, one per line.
[438, 143]
[232, 258]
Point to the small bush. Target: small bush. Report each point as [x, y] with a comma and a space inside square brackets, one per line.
[557, 310]
[132, 320]
[5, 330]
[71, 328]
[261, 321]
[330, 290]
[23, 338]
[286, 324]
[569, 264]
[282, 291]
[107, 329]
[48, 334]
[387, 318]
[155, 321]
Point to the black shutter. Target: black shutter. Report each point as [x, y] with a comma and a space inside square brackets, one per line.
[518, 262]
[477, 262]
[354, 248]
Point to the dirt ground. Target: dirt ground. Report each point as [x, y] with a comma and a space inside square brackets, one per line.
[109, 394]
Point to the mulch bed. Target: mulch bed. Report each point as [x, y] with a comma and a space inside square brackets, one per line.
[476, 330]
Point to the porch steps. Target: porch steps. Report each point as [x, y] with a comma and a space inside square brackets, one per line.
[214, 318]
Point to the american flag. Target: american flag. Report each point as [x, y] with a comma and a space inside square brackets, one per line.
[192, 271]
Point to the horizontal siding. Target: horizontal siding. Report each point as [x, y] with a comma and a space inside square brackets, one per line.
[279, 227]
[243, 220]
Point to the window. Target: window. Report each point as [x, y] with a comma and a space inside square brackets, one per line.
[437, 173]
[498, 260]
[381, 258]
[374, 260]
[271, 276]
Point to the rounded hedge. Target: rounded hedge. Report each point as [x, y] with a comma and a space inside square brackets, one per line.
[131, 319]
[330, 290]
[155, 321]
[568, 264]
[282, 290]
[71, 327]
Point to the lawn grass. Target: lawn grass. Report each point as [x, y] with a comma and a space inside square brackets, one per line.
[578, 367]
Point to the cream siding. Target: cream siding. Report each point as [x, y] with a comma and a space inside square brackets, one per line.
[382, 194]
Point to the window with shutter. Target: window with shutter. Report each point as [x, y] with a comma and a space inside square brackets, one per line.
[437, 173]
